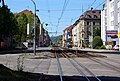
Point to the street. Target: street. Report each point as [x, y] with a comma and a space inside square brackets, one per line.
[107, 66]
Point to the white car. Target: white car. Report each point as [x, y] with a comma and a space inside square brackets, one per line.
[116, 47]
[109, 47]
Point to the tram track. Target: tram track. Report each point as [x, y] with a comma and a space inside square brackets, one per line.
[59, 66]
[106, 64]
[79, 67]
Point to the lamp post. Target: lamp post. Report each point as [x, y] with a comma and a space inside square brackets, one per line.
[34, 39]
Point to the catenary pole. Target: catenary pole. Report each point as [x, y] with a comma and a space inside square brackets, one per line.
[34, 39]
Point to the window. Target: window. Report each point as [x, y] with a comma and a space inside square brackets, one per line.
[89, 16]
[112, 23]
[112, 4]
[95, 16]
[119, 10]
[112, 13]
[82, 35]
[105, 12]
[88, 23]
[93, 23]
[93, 12]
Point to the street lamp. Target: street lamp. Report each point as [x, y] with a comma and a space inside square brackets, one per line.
[34, 39]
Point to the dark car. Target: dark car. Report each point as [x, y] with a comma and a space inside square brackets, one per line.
[69, 45]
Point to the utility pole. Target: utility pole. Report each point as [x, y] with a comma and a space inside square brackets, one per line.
[34, 39]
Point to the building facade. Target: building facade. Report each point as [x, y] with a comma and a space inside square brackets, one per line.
[110, 21]
[88, 22]
[67, 36]
[74, 36]
[42, 36]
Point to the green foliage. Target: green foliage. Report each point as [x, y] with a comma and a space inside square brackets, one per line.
[22, 24]
[69, 40]
[23, 20]
[97, 47]
[56, 38]
[60, 39]
[97, 41]
[103, 47]
[8, 24]
[97, 32]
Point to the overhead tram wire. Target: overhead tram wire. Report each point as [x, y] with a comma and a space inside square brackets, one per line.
[61, 10]
[92, 4]
[49, 12]
[100, 4]
[64, 7]
[82, 13]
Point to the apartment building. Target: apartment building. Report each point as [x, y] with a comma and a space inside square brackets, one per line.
[74, 36]
[82, 29]
[67, 35]
[42, 36]
[89, 21]
[110, 21]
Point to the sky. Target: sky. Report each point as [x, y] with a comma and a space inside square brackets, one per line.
[58, 14]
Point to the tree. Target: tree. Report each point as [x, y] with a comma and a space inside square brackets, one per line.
[69, 40]
[22, 24]
[8, 24]
[97, 41]
[97, 32]
[23, 19]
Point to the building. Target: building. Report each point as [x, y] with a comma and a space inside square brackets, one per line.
[110, 21]
[67, 36]
[81, 31]
[86, 24]
[74, 36]
[42, 36]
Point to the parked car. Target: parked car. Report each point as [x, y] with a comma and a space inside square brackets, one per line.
[69, 45]
[109, 47]
[116, 47]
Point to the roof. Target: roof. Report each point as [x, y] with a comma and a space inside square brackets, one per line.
[25, 11]
[91, 14]
[28, 12]
[69, 28]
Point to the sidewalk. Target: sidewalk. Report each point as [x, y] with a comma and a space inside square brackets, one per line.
[97, 50]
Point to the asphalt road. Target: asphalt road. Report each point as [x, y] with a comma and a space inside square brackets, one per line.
[99, 66]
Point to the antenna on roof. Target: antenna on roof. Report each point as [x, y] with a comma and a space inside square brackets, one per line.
[82, 8]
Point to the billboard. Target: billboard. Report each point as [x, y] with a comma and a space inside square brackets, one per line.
[112, 36]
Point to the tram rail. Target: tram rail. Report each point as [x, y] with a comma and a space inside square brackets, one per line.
[79, 67]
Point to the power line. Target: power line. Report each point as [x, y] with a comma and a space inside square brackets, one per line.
[64, 7]
[61, 10]
[49, 12]
[100, 4]
[92, 4]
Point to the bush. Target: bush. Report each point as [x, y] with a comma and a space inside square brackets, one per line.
[103, 47]
[97, 41]
[97, 47]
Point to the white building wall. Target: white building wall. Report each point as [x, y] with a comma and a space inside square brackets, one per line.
[74, 30]
[103, 26]
[109, 18]
[78, 34]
